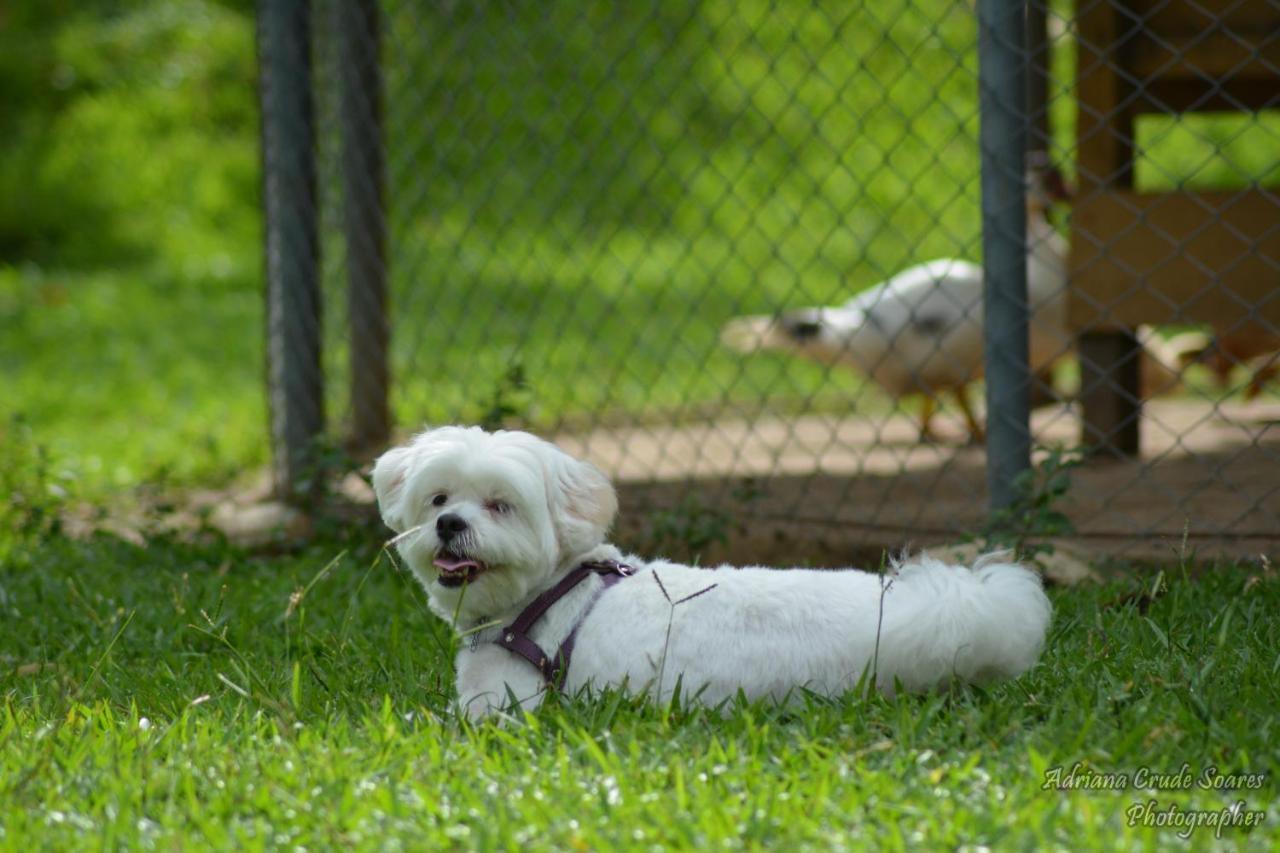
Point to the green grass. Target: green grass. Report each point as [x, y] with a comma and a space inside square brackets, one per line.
[303, 700]
[132, 377]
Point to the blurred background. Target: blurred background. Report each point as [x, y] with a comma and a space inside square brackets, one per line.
[130, 239]
[581, 200]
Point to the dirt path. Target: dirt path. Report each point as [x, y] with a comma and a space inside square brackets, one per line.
[820, 488]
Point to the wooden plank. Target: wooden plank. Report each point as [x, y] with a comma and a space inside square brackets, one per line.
[1202, 257]
[1184, 55]
[1182, 17]
[1180, 95]
[1110, 393]
[1104, 128]
[1220, 56]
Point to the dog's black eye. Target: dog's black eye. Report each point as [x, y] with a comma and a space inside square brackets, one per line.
[497, 506]
[440, 499]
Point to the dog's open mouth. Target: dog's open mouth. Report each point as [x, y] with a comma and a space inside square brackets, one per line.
[456, 569]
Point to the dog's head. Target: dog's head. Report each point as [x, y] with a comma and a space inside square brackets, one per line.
[484, 519]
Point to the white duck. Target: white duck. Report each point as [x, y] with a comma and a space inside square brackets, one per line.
[920, 331]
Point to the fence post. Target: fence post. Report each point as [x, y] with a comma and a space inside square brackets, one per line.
[1039, 62]
[295, 380]
[364, 219]
[1002, 101]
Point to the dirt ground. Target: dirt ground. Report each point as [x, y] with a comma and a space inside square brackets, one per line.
[825, 489]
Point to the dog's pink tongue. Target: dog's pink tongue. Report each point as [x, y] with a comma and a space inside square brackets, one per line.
[453, 564]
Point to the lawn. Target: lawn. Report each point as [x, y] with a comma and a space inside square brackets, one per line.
[185, 695]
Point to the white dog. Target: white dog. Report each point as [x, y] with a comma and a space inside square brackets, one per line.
[507, 534]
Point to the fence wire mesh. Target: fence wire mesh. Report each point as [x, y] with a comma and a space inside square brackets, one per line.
[691, 241]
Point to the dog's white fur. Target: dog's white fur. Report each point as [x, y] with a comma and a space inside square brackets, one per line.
[534, 513]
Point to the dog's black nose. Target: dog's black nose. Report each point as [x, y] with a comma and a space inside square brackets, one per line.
[801, 327]
[449, 526]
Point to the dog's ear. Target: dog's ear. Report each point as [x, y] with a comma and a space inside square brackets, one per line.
[586, 505]
[389, 475]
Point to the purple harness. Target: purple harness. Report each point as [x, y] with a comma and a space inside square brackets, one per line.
[515, 637]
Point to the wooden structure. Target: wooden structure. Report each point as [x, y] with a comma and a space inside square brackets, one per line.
[1169, 257]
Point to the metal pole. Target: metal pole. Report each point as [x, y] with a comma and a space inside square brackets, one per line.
[364, 219]
[1003, 99]
[1039, 55]
[296, 383]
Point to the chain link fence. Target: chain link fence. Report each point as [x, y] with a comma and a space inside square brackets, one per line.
[690, 241]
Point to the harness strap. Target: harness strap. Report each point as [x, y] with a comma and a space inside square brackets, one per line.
[515, 637]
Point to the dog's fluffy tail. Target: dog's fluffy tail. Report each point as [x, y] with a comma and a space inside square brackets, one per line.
[945, 622]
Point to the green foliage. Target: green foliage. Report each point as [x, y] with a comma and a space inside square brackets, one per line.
[32, 495]
[130, 306]
[188, 695]
[133, 135]
[510, 400]
[686, 530]
[1035, 514]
